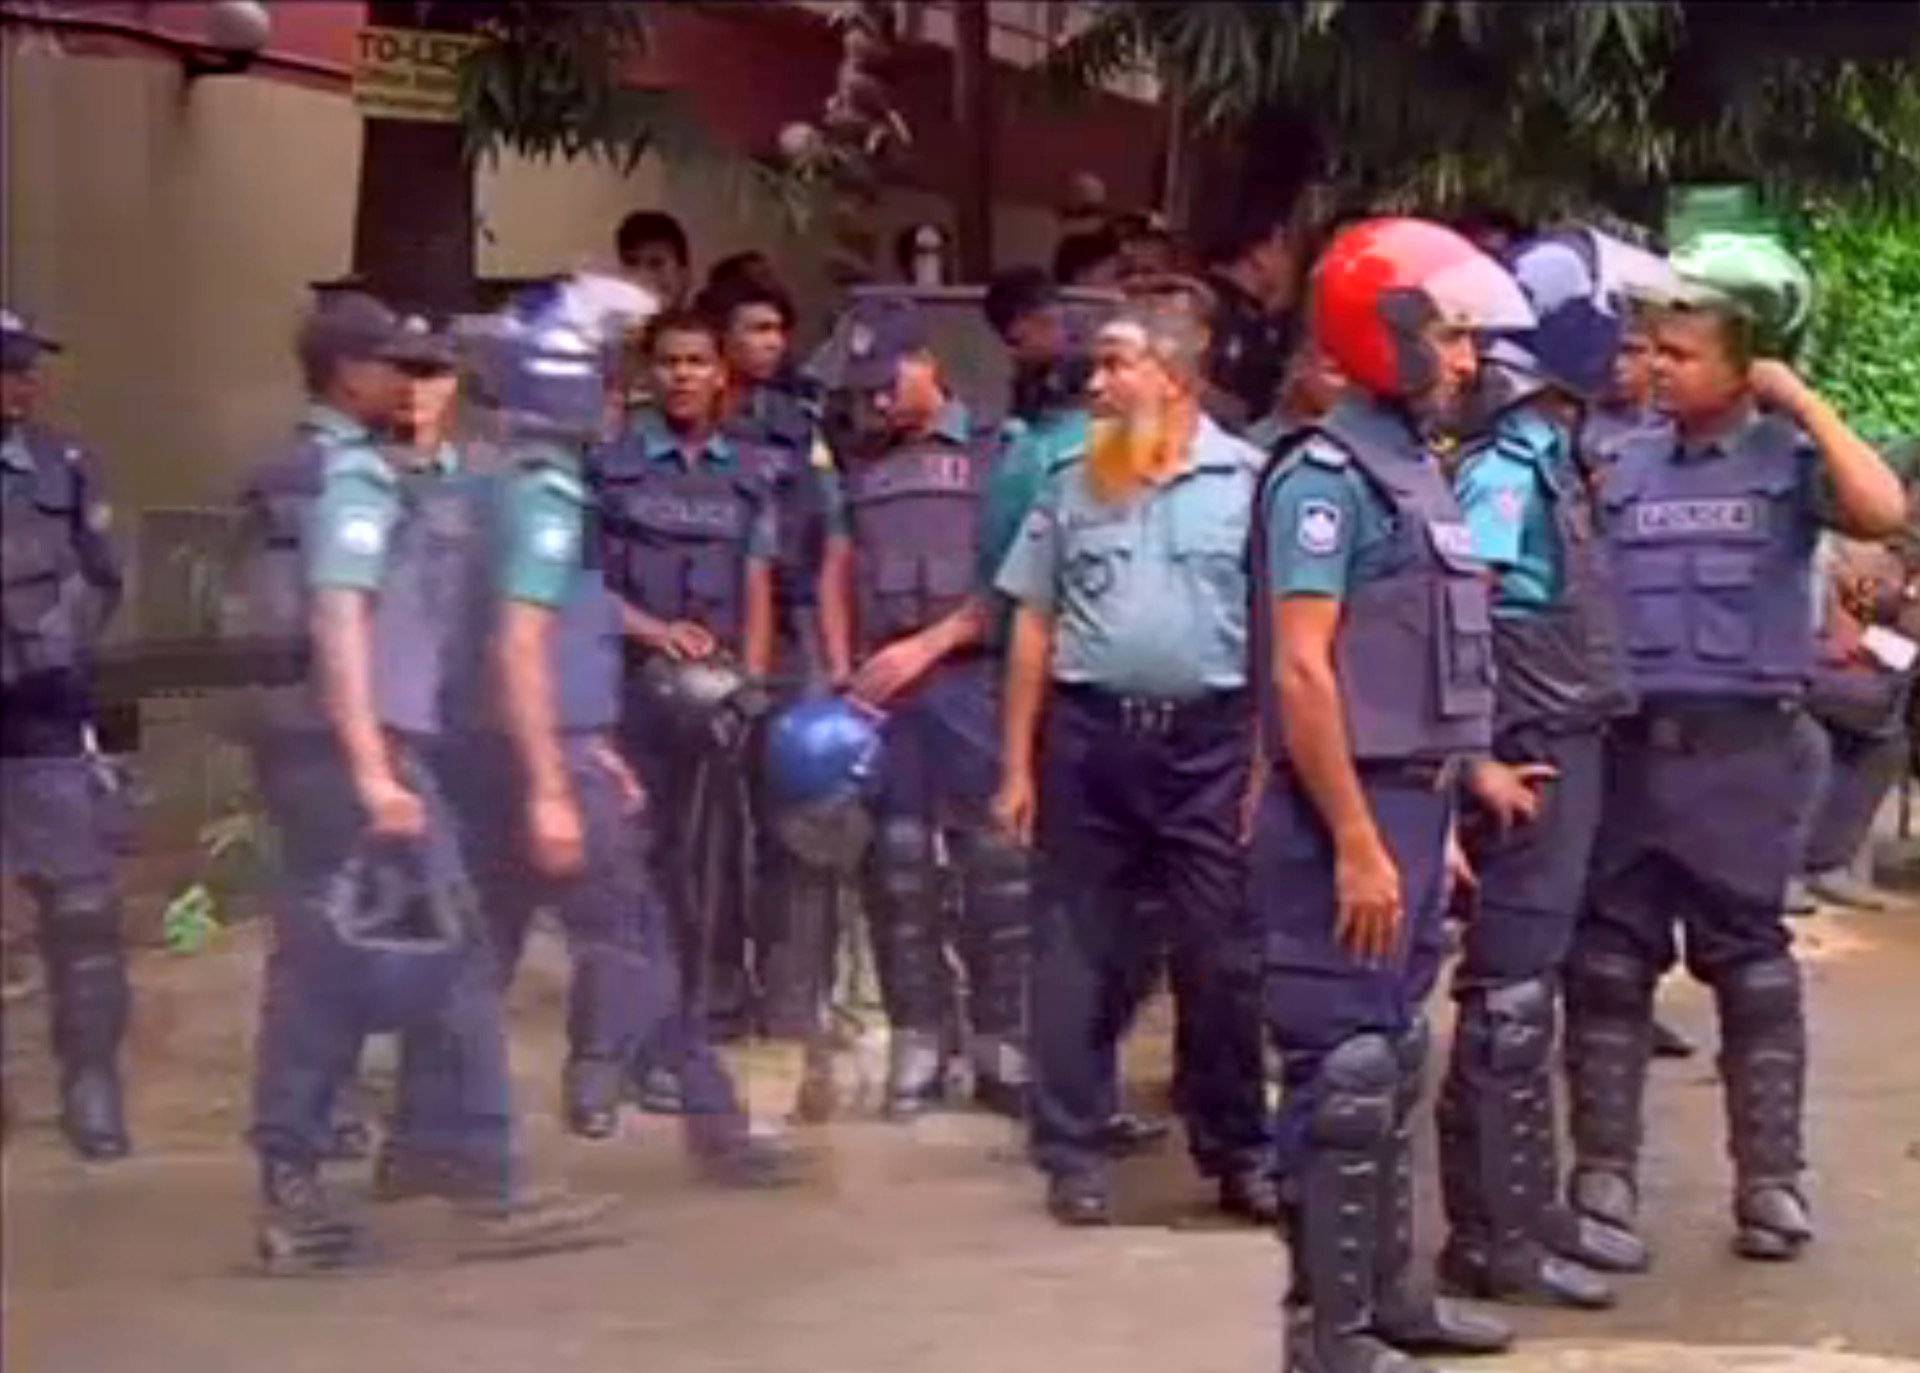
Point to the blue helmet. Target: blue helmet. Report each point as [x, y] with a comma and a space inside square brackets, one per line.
[398, 931]
[545, 372]
[1582, 285]
[823, 756]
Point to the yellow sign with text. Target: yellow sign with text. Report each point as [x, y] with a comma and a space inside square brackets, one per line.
[409, 73]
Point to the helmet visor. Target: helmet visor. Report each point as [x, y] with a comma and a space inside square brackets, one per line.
[1478, 293]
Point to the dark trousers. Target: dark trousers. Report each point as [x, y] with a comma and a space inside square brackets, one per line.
[453, 1091]
[626, 991]
[1698, 834]
[1532, 880]
[1317, 996]
[58, 833]
[1129, 807]
[1863, 769]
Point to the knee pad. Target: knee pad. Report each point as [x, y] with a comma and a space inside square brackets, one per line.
[903, 856]
[999, 865]
[1758, 996]
[1611, 984]
[1519, 1019]
[1355, 1106]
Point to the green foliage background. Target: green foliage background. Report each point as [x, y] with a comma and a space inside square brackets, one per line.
[1864, 353]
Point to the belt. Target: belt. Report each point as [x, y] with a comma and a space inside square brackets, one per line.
[1158, 715]
[1429, 774]
[1718, 726]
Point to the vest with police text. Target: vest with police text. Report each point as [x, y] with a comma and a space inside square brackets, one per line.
[915, 511]
[1712, 560]
[46, 608]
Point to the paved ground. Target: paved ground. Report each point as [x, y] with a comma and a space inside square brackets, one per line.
[918, 1249]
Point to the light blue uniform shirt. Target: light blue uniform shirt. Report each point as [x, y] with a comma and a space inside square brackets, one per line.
[543, 524]
[1509, 512]
[1149, 597]
[352, 522]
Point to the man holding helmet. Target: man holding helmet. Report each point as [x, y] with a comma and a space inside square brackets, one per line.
[1373, 663]
[905, 632]
[1561, 676]
[1712, 527]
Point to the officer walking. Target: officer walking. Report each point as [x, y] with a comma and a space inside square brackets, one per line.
[1712, 529]
[905, 631]
[1130, 631]
[1374, 668]
[558, 651]
[62, 583]
[377, 566]
[1561, 676]
[690, 533]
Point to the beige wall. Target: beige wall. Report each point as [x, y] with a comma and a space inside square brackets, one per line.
[167, 233]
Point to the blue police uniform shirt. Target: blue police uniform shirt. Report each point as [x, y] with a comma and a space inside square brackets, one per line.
[1509, 513]
[1149, 596]
[1328, 530]
[351, 524]
[544, 509]
[661, 445]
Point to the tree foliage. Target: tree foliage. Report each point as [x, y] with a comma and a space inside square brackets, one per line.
[1547, 105]
[1865, 347]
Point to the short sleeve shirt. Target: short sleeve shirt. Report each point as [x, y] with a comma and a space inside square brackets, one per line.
[1327, 529]
[1149, 597]
[543, 528]
[1509, 514]
[351, 524]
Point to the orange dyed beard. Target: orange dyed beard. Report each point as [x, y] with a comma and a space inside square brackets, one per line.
[1124, 454]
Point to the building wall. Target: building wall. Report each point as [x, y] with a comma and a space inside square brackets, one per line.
[168, 231]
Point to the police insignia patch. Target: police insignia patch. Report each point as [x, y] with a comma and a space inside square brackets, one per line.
[360, 534]
[1319, 528]
[1508, 505]
[553, 541]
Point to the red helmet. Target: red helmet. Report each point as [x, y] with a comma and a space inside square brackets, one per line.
[1382, 281]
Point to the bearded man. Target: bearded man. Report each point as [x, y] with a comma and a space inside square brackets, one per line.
[1130, 579]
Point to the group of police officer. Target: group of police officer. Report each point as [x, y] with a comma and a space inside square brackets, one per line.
[1095, 691]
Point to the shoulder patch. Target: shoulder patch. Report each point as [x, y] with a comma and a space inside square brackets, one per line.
[1319, 527]
[360, 532]
[1324, 454]
[559, 482]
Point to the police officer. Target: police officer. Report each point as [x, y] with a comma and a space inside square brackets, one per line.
[1130, 580]
[380, 564]
[62, 583]
[1373, 664]
[905, 631]
[1561, 676]
[1712, 530]
[577, 800]
[1254, 274]
[1626, 406]
[690, 533]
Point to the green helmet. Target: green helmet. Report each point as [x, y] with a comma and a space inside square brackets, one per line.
[1756, 276]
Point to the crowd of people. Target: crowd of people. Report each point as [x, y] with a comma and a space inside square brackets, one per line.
[1363, 597]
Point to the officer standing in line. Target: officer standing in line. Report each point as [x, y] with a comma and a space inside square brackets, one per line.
[1712, 528]
[1130, 580]
[1373, 661]
[690, 532]
[1626, 405]
[905, 629]
[559, 657]
[1560, 677]
[62, 583]
[377, 568]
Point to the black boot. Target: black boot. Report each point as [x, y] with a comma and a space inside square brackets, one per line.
[1337, 1196]
[1763, 1063]
[1498, 1160]
[591, 1089]
[1609, 1040]
[1407, 1314]
[89, 999]
[302, 1228]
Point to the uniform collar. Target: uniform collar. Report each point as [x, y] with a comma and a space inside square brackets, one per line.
[1213, 450]
[444, 462]
[660, 444]
[1725, 440]
[335, 424]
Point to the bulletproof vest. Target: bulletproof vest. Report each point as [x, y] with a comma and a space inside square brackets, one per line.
[1414, 650]
[433, 616]
[266, 604]
[1563, 665]
[915, 512]
[43, 586]
[1606, 430]
[777, 433]
[673, 537]
[1712, 562]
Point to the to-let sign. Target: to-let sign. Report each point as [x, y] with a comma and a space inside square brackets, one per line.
[409, 73]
